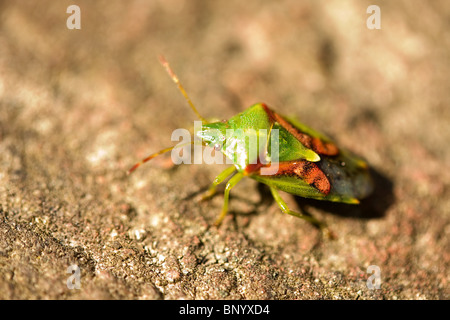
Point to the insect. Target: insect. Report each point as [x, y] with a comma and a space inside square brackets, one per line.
[306, 162]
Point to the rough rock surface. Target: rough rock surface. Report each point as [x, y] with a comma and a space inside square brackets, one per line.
[79, 107]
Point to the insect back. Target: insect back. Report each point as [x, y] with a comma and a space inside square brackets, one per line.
[334, 174]
[251, 140]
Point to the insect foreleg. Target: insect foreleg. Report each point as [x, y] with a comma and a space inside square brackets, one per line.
[233, 181]
[218, 180]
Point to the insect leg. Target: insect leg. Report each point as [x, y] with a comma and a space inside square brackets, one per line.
[218, 180]
[233, 181]
[317, 223]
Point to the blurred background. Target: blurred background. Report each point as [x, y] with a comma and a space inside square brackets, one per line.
[78, 107]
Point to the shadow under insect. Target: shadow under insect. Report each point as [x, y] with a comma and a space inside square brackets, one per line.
[372, 207]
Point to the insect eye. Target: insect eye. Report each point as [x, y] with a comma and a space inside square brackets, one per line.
[218, 146]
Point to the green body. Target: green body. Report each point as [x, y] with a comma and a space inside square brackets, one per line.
[347, 174]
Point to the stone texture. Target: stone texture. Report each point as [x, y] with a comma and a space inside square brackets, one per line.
[79, 107]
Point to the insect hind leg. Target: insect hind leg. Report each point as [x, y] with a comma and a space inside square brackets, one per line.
[315, 222]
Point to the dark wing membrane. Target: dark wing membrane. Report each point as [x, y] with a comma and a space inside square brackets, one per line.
[348, 175]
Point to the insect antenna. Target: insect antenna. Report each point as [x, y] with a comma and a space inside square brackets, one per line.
[180, 87]
[150, 157]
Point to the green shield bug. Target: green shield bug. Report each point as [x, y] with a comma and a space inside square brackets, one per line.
[299, 160]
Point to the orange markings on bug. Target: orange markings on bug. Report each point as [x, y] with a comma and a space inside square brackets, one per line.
[305, 170]
[252, 168]
[314, 143]
[325, 148]
[308, 171]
